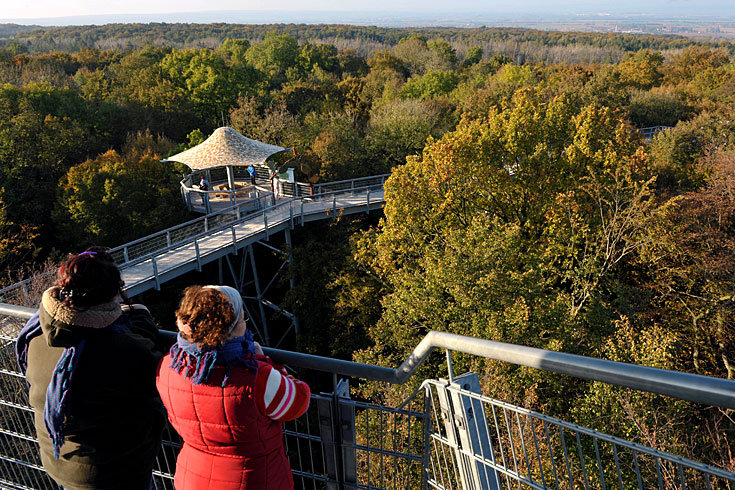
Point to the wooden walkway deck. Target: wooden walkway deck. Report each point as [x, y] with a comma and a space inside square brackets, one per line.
[287, 213]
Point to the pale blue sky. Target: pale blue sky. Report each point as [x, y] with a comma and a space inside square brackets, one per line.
[16, 9]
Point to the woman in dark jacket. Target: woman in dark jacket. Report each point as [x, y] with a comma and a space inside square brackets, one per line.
[90, 363]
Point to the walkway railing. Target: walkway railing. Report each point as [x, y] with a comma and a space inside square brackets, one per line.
[201, 201]
[446, 435]
[235, 232]
[648, 133]
[147, 262]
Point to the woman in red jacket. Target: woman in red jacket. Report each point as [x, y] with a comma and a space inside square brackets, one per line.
[226, 399]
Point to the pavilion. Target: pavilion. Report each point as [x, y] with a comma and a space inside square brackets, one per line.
[225, 148]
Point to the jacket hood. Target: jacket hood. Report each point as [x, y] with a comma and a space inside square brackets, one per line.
[61, 323]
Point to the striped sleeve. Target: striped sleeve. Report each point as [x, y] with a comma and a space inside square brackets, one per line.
[279, 396]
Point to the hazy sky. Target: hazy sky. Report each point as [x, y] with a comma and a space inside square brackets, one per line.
[17, 9]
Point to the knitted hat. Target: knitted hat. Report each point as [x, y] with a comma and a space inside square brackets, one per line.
[235, 299]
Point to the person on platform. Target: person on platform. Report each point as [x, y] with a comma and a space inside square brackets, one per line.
[226, 399]
[205, 188]
[91, 363]
[251, 171]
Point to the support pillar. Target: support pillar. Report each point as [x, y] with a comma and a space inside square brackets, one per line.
[231, 178]
[259, 296]
[292, 281]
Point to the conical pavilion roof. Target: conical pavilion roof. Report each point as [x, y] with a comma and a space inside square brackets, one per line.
[225, 147]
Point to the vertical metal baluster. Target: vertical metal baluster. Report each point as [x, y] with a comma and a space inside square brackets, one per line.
[617, 465]
[444, 453]
[367, 443]
[500, 443]
[681, 475]
[485, 459]
[566, 458]
[599, 465]
[426, 428]
[658, 473]
[382, 458]
[509, 426]
[523, 444]
[637, 469]
[395, 460]
[199, 258]
[706, 480]
[538, 451]
[581, 460]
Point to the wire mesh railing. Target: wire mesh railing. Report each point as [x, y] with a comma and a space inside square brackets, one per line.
[516, 447]
[446, 435]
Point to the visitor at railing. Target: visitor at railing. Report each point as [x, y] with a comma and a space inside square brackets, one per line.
[226, 399]
[90, 363]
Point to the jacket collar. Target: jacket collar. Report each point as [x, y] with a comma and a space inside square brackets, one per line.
[98, 316]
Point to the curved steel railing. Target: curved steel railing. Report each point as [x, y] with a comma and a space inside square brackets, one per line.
[692, 387]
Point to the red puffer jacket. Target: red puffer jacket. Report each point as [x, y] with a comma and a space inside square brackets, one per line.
[232, 435]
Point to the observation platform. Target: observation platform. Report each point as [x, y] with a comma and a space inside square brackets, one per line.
[447, 434]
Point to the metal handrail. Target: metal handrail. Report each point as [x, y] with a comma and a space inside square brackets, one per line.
[206, 218]
[692, 387]
[231, 224]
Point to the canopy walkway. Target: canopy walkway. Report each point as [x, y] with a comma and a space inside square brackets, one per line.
[155, 259]
[150, 261]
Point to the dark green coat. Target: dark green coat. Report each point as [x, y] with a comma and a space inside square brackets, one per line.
[113, 430]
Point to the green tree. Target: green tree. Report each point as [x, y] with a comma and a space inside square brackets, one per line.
[641, 69]
[431, 84]
[118, 197]
[510, 228]
[274, 56]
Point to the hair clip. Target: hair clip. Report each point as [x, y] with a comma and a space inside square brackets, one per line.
[91, 254]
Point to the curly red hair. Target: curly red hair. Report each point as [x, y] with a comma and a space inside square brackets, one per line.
[209, 315]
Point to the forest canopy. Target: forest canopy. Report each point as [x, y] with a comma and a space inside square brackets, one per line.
[523, 206]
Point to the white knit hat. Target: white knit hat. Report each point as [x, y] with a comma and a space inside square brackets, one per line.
[235, 299]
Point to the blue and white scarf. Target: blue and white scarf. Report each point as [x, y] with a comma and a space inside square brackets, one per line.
[58, 392]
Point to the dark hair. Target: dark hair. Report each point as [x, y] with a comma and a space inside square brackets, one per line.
[89, 278]
[208, 313]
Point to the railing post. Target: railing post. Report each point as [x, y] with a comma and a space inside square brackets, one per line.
[302, 212]
[125, 254]
[234, 241]
[367, 206]
[337, 430]
[206, 223]
[427, 438]
[468, 433]
[199, 258]
[168, 239]
[290, 214]
[265, 223]
[155, 274]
